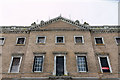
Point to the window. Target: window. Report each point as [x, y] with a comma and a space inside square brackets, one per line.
[15, 64]
[21, 40]
[38, 63]
[118, 40]
[78, 39]
[99, 41]
[104, 64]
[82, 64]
[41, 39]
[2, 39]
[60, 39]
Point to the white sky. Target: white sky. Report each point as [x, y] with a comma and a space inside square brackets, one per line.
[25, 12]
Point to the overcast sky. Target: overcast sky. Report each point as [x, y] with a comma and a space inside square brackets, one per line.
[25, 12]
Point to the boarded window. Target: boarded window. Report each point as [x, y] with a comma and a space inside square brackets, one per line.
[15, 65]
[21, 41]
[38, 62]
[104, 64]
[82, 64]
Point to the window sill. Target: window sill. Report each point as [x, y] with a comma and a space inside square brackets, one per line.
[20, 44]
[59, 43]
[100, 44]
[40, 43]
[79, 43]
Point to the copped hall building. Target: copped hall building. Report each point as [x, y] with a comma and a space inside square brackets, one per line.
[59, 49]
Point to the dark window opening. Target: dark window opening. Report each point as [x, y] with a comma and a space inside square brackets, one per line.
[59, 39]
[104, 64]
[98, 40]
[118, 40]
[21, 41]
[41, 40]
[15, 64]
[78, 40]
[2, 41]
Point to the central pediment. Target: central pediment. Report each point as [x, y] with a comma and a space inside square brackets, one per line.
[58, 23]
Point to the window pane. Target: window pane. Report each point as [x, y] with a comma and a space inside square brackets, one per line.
[1, 41]
[118, 40]
[20, 40]
[82, 64]
[104, 64]
[59, 39]
[99, 41]
[78, 39]
[38, 62]
[41, 40]
[15, 64]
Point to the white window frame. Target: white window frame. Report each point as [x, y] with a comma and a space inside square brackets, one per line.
[42, 64]
[40, 36]
[99, 37]
[116, 40]
[3, 41]
[78, 36]
[21, 37]
[12, 62]
[107, 61]
[65, 71]
[77, 63]
[60, 36]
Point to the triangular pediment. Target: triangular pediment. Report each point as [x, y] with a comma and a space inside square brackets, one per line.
[58, 23]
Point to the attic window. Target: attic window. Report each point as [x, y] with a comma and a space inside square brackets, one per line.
[59, 39]
[21, 40]
[99, 41]
[117, 40]
[2, 39]
[78, 39]
[41, 39]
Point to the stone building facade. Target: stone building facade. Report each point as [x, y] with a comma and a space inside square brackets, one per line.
[60, 49]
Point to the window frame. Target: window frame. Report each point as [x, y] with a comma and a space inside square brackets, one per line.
[61, 42]
[116, 40]
[21, 37]
[42, 64]
[85, 63]
[9, 71]
[108, 64]
[102, 40]
[78, 36]
[37, 39]
[3, 41]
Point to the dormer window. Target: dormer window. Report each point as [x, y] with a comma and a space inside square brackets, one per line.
[2, 39]
[20, 40]
[41, 39]
[60, 39]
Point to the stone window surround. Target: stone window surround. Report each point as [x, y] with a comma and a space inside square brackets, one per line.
[116, 40]
[39, 54]
[107, 61]
[59, 36]
[37, 39]
[79, 36]
[60, 54]
[99, 37]
[15, 55]
[24, 40]
[3, 41]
